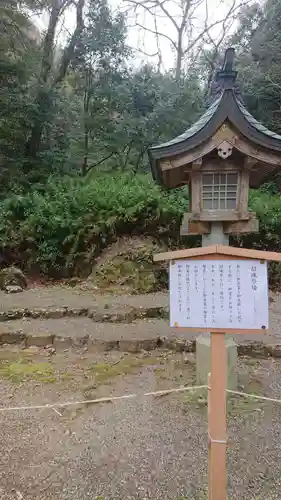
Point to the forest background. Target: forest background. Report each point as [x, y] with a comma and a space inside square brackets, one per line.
[80, 105]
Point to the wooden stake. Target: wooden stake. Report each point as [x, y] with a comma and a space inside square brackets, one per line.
[217, 419]
[209, 442]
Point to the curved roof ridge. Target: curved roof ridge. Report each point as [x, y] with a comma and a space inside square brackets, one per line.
[195, 128]
[255, 123]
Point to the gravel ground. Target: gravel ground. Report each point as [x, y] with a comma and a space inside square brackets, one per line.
[146, 448]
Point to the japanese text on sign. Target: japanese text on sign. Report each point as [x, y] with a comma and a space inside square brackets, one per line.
[219, 294]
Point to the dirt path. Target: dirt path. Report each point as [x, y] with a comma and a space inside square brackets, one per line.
[146, 448]
[60, 296]
[57, 297]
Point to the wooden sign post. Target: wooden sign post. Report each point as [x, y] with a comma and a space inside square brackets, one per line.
[221, 290]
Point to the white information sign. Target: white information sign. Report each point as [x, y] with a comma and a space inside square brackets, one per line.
[219, 294]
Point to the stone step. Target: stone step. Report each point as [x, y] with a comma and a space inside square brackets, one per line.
[145, 334]
[115, 313]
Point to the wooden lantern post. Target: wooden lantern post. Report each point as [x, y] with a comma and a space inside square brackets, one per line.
[222, 290]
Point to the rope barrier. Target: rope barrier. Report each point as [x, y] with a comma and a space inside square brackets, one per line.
[103, 400]
[254, 396]
[110, 399]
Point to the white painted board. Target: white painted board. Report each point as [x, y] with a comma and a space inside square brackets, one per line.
[219, 294]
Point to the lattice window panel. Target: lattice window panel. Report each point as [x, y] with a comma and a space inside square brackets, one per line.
[219, 191]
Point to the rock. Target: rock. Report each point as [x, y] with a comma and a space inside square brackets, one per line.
[55, 313]
[62, 343]
[119, 314]
[129, 346]
[12, 276]
[82, 311]
[13, 289]
[74, 281]
[189, 358]
[275, 350]
[39, 339]
[7, 337]
[179, 345]
[253, 349]
[149, 344]
[32, 349]
[50, 350]
[129, 264]
[98, 345]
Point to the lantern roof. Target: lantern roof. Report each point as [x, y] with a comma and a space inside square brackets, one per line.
[226, 106]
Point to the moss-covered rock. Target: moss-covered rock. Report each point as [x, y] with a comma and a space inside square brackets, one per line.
[12, 277]
[128, 265]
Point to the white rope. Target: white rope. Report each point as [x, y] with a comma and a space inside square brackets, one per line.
[254, 396]
[103, 400]
[110, 399]
[217, 441]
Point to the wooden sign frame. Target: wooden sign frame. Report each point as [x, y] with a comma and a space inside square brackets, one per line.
[227, 331]
[217, 381]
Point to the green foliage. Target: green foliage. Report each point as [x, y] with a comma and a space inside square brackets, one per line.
[99, 120]
[24, 369]
[62, 229]
[257, 41]
[268, 209]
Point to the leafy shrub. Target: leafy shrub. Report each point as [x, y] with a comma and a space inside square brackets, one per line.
[61, 230]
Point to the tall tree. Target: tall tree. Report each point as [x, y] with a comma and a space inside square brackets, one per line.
[99, 56]
[52, 72]
[180, 26]
[258, 45]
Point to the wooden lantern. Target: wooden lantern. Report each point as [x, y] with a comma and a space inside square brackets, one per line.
[226, 152]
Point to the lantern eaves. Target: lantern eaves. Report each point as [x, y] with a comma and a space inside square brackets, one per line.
[227, 106]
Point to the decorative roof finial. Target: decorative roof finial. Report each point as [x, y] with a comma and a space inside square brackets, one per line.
[226, 76]
[228, 60]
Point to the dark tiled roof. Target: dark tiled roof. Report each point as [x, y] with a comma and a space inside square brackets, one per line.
[227, 104]
[199, 125]
[255, 123]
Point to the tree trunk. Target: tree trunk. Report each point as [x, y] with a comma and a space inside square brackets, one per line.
[179, 56]
[86, 132]
[47, 81]
[86, 152]
[33, 144]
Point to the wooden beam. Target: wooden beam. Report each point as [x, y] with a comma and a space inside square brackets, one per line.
[257, 154]
[250, 162]
[189, 228]
[197, 164]
[225, 133]
[220, 251]
[189, 157]
[196, 192]
[243, 193]
[242, 226]
[221, 216]
[227, 331]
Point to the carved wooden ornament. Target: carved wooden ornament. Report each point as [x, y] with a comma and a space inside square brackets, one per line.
[225, 150]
